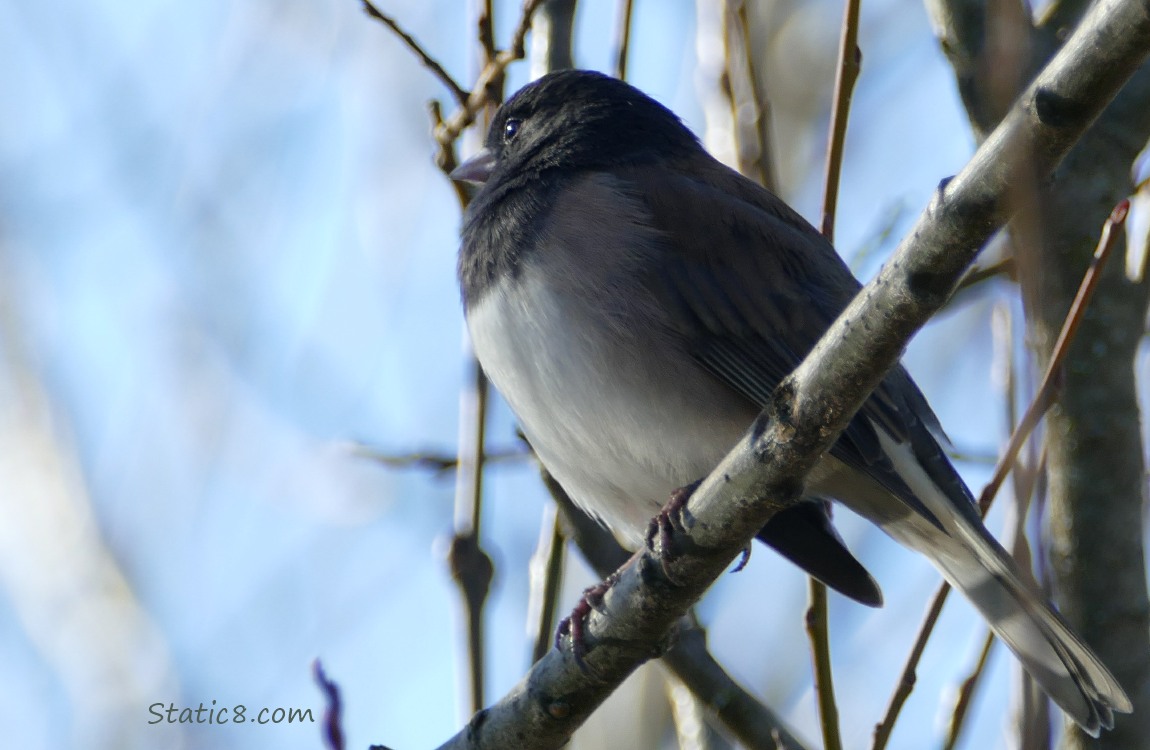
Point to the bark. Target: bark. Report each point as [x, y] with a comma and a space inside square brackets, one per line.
[1096, 470]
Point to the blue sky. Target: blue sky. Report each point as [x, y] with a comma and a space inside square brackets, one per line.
[226, 257]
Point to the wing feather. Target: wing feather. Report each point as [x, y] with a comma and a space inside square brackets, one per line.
[750, 330]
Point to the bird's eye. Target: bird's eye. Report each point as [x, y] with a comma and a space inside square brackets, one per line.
[510, 130]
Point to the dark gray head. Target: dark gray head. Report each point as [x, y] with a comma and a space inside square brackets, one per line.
[552, 130]
[576, 120]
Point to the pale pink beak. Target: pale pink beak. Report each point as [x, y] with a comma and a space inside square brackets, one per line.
[476, 169]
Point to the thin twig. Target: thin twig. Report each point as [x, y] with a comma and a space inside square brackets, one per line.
[1032, 717]
[472, 453]
[1006, 267]
[485, 91]
[460, 94]
[753, 156]
[1045, 395]
[485, 24]
[816, 618]
[1038, 406]
[480, 94]
[624, 43]
[546, 577]
[966, 694]
[818, 632]
[1002, 334]
[333, 708]
[470, 566]
[435, 461]
[906, 681]
[765, 162]
[850, 60]
[472, 570]
[515, 49]
[445, 157]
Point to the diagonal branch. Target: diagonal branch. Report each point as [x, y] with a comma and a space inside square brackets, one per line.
[449, 130]
[484, 92]
[764, 472]
[460, 94]
[742, 715]
[1046, 391]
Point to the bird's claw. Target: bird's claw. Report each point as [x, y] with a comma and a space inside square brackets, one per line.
[575, 624]
[664, 525]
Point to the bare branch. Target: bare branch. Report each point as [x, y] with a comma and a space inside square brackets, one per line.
[1045, 395]
[472, 571]
[471, 567]
[445, 157]
[993, 49]
[819, 635]
[966, 694]
[743, 715]
[906, 681]
[333, 708]
[850, 60]
[978, 274]
[460, 94]
[750, 112]
[485, 24]
[623, 45]
[480, 96]
[546, 573]
[437, 462]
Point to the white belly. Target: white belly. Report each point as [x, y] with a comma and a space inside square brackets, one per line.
[619, 429]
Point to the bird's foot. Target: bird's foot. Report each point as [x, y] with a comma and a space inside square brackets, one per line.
[575, 624]
[664, 525]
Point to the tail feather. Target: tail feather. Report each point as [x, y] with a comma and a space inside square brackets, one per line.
[805, 535]
[1065, 667]
[974, 563]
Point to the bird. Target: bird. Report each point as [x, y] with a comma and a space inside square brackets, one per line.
[636, 302]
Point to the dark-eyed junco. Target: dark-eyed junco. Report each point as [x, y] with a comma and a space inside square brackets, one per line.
[636, 302]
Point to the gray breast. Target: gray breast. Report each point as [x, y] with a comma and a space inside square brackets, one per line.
[616, 409]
